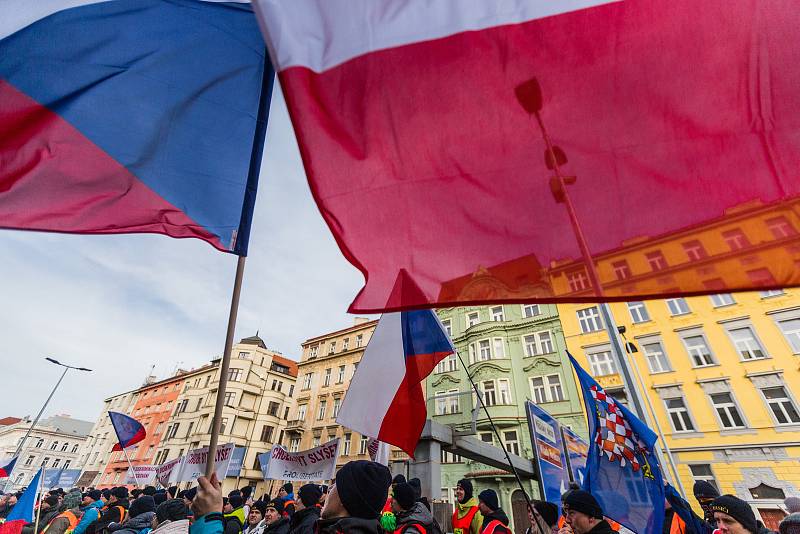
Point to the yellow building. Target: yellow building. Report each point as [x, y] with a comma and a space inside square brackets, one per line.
[721, 373]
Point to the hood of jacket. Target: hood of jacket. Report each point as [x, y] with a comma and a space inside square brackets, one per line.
[135, 524]
[464, 508]
[173, 527]
[306, 516]
[417, 514]
[498, 514]
[349, 525]
[95, 504]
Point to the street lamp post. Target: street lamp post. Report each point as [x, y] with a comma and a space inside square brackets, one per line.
[39, 415]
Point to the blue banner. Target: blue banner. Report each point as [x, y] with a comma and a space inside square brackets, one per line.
[548, 449]
[263, 461]
[577, 452]
[237, 459]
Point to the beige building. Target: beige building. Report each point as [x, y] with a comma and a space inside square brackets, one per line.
[326, 368]
[258, 402]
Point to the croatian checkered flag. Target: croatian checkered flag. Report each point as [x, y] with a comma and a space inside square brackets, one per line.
[622, 470]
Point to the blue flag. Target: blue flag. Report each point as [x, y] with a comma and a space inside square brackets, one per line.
[622, 471]
[24, 507]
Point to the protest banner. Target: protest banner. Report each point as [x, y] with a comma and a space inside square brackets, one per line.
[60, 478]
[167, 473]
[548, 450]
[194, 465]
[141, 475]
[577, 452]
[318, 463]
[263, 461]
[237, 460]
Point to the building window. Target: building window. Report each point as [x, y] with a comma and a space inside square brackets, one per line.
[722, 299]
[484, 350]
[346, 344]
[511, 442]
[782, 406]
[748, 347]
[589, 320]
[346, 445]
[679, 415]
[45, 461]
[272, 409]
[504, 388]
[230, 398]
[337, 402]
[332, 347]
[791, 331]
[447, 325]
[266, 433]
[657, 360]
[307, 380]
[340, 375]
[727, 411]
[235, 375]
[54, 446]
[499, 347]
[678, 306]
[530, 310]
[75, 448]
[301, 412]
[694, 250]
[67, 464]
[602, 363]
[242, 356]
[472, 319]
[487, 437]
[444, 405]
[656, 260]
[638, 312]
[698, 350]
[448, 364]
[313, 351]
[704, 472]
[359, 340]
[497, 314]
[64, 447]
[764, 491]
[546, 388]
[321, 411]
[769, 293]
[448, 457]
[362, 445]
[735, 239]
[56, 462]
[781, 227]
[294, 444]
[326, 380]
[39, 443]
[621, 269]
[489, 393]
[29, 460]
[315, 442]
[577, 280]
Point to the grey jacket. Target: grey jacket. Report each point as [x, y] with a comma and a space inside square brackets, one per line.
[418, 514]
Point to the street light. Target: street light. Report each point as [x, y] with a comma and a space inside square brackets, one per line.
[28, 433]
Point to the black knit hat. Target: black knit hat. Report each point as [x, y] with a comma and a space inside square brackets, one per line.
[135, 493]
[106, 494]
[704, 490]
[548, 511]
[737, 509]
[309, 494]
[261, 506]
[173, 491]
[159, 498]
[583, 501]
[489, 498]
[120, 492]
[417, 485]
[149, 490]
[236, 500]
[143, 504]
[172, 510]
[93, 494]
[362, 487]
[275, 503]
[288, 488]
[246, 492]
[52, 500]
[404, 494]
[398, 479]
[190, 494]
[466, 485]
[790, 524]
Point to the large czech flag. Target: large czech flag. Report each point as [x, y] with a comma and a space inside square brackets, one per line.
[127, 116]
[129, 431]
[679, 118]
[385, 399]
[7, 468]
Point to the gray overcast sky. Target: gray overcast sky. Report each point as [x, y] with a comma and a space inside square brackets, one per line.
[119, 304]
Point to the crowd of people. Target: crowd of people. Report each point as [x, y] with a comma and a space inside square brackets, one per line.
[364, 499]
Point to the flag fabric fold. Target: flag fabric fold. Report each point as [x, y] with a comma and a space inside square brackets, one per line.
[129, 431]
[8, 467]
[385, 399]
[132, 116]
[677, 125]
[23, 510]
[622, 470]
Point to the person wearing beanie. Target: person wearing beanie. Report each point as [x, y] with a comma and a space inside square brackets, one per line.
[68, 513]
[234, 513]
[705, 494]
[160, 497]
[173, 492]
[140, 516]
[354, 502]
[91, 505]
[286, 494]
[188, 496]
[277, 522]
[306, 510]
[790, 524]
[256, 522]
[495, 520]
[172, 517]
[149, 490]
[412, 516]
[467, 519]
[544, 515]
[135, 493]
[583, 513]
[115, 511]
[734, 516]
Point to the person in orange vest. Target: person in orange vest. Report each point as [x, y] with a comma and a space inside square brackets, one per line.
[583, 514]
[286, 494]
[413, 517]
[495, 520]
[467, 519]
[70, 516]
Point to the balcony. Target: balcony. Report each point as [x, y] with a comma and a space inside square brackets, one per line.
[298, 426]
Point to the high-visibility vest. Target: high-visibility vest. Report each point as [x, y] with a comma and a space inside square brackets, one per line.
[678, 526]
[493, 524]
[73, 520]
[418, 526]
[461, 526]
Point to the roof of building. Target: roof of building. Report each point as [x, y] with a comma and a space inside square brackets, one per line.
[361, 325]
[291, 364]
[5, 421]
[254, 340]
[67, 425]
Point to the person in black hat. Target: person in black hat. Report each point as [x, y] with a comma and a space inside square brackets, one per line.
[91, 504]
[286, 494]
[188, 496]
[277, 522]
[256, 522]
[116, 511]
[495, 520]
[543, 517]
[306, 510]
[171, 516]
[149, 490]
[234, 513]
[734, 516]
[354, 502]
[140, 516]
[583, 514]
[705, 494]
[467, 519]
[412, 515]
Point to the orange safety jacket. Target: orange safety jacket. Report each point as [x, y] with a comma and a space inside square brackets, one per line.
[678, 526]
[418, 526]
[493, 524]
[462, 525]
[73, 520]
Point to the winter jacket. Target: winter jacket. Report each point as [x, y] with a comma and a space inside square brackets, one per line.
[60, 523]
[408, 520]
[258, 528]
[234, 521]
[462, 510]
[497, 515]
[281, 526]
[91, 513]
[602, 528]
[135, 525]
[348, 525]
[109, 514]
[202, 525]
[172, 527]
[302, 522]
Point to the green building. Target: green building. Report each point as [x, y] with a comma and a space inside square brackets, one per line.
[514, 352]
